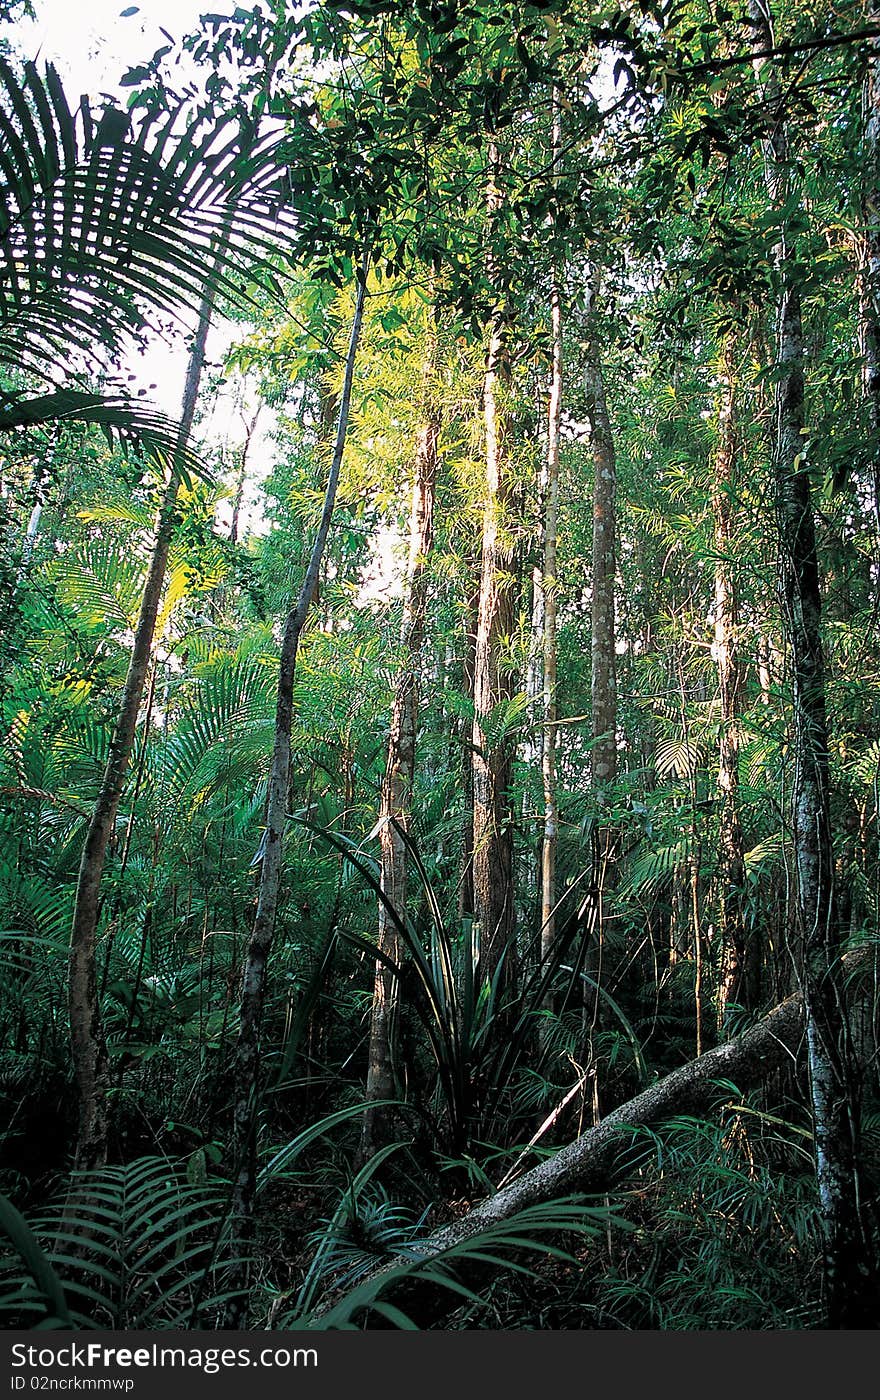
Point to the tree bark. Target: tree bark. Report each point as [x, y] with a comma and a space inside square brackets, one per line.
[869, 270]
[397, 786]
[733, 971]
[603, 672]
[238, 499]
[246, 1067]
[87, 1042]
[549, 598]
[603, 682]
[492, 755]
[848, 1263]
[465, 737]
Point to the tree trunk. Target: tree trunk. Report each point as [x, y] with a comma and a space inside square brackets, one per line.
[400, 767]
[869, 270]
[848, 1266]
[465, 732]
[549, 610]
[733, 974]
[238, 498]
[246, 1065]
[87, 1042]
[603, 675]
[492, 757]
[603, 683]
[33, 525]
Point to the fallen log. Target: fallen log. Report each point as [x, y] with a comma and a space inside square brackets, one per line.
[584, 1165]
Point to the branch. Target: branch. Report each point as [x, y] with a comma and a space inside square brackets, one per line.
[783, 50]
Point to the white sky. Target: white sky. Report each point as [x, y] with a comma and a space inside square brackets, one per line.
[92, 46]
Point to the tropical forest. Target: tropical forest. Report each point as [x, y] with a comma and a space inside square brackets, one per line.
[440, 738]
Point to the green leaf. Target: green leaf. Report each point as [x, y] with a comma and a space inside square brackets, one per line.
[133, 76]
[25, 1242]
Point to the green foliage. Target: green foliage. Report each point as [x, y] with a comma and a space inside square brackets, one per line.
[533, 1230]
[649, 219]
[127, 1247]
[103, 220]
[726, 1223]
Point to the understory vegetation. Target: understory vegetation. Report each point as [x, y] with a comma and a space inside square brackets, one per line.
[440, 768]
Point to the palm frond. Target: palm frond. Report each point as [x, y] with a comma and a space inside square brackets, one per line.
[123, 420]
[130, 1246]
[105, 219]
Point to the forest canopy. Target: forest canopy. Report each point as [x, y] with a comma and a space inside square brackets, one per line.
[440, 762]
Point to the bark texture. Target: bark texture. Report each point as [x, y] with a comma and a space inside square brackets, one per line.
[396, 804]
[869, 270]
[603, 671]
[549, 598]
[465, 740]
[492, 754]
[238, 498]
[603, 682]
[87, 1042]
[733, 972]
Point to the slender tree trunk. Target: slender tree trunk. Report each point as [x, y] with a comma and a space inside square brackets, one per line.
[869, 271]
[848, 1266]
[603, 683]
[33, 525]
[466, 863]
[492, 757]
[246, 1067]
[527, 875]
[535, 664]
[603, 675]
[87, 1042]
[733, 980]
[396, 803]
[549, 593]
[238, 499]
